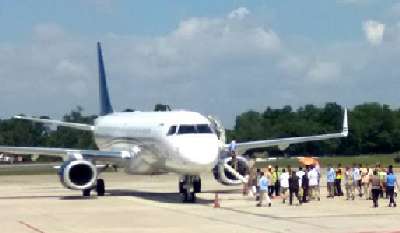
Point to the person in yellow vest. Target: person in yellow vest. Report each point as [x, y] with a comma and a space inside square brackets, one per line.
[271, 185]
[338, 181]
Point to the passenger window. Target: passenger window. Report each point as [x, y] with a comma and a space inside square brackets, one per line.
[204, 128]
[172, 130]
[185, 129]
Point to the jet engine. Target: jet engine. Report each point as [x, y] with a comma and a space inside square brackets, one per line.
[226, 177]
[78, 174]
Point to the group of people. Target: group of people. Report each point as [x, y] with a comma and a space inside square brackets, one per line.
[371, 183]
[304, 184]
[287, 183]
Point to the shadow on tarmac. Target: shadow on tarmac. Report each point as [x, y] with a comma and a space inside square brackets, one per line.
[164, 197]
[153, 196]
[31, 197]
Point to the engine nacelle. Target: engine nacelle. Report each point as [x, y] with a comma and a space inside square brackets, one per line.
[78, 174]
[225, 177]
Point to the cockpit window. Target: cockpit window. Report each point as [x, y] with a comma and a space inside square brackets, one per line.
[172, 130]
[192, 129]
[204, 128]
[185, 129]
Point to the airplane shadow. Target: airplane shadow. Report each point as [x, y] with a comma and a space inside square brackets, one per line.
[164, 197]
[33, 197]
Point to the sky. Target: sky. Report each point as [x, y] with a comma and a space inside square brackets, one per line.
[219, 58]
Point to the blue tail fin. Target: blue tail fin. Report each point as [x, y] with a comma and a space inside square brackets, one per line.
[105, 104]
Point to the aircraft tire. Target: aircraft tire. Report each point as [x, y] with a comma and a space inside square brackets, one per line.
[181, 190]
[197, 186]
[100, 187]
[188, 197]
[86, 192]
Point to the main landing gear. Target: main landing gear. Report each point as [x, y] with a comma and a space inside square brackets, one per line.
[189, 185]
[100, 189]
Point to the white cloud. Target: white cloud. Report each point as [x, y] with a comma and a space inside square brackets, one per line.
[239, 13]
[48, 32]
[215, 65]
[374, 31]
[324, 71]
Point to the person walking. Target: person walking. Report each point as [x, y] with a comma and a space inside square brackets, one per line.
[271, 185]
[349, 183]
[300, 173]
[382, 176]
[391, 183]
[375, 187]
[330, 182]
[357, 179]
[338, 181]
[284, 181]
[294, 188]
[263, 184]
[313, 178]
[257, 181]
[365, 182]
[305, 186]
[278, 182]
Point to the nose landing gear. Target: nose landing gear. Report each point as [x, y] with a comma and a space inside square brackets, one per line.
[189, 185]
[100, 189]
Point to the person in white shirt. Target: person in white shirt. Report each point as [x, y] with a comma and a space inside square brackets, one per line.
[357, 178]
[300, 173]
[313, 178]
[284, 180]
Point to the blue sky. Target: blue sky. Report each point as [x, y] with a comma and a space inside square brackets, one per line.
[202, 54]
[320, 20]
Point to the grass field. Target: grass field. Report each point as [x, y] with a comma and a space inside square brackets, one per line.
[32, 169]
[369, 160]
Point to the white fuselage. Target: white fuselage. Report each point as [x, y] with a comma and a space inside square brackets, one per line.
[158, 142]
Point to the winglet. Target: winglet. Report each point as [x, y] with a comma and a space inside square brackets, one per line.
[345, 131]
[105, 103]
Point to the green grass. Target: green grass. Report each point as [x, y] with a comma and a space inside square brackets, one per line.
[32, 169]
[369, 160]
[17, 169]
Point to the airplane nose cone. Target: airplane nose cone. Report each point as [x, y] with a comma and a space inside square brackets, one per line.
[200, 150]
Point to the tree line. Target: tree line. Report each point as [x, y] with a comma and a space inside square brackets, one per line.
[373, 128]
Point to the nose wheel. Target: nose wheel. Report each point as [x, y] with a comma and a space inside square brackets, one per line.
[189, 185]
[100, 189]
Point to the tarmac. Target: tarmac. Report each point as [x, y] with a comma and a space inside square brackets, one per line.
[39, 204]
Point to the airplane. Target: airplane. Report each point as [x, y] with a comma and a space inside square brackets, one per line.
[182, 142]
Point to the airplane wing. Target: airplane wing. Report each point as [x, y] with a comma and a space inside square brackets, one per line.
[79, 126]
[283, 143]
[68, 154]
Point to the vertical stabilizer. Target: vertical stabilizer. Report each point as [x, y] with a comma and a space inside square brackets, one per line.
[105, 104]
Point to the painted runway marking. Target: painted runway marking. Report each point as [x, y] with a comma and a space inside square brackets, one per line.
[30, 227]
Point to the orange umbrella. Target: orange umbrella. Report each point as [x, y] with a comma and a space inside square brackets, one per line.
[308, 161]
